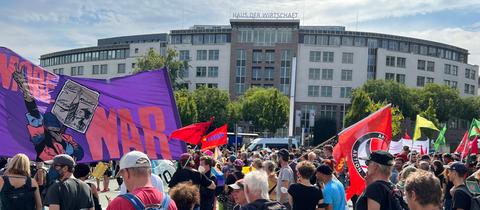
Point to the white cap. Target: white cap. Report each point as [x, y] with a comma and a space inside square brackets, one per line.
[134, 159]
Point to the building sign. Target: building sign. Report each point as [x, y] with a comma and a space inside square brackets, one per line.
[265, 15]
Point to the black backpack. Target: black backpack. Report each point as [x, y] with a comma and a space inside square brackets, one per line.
[18, 198]
[270, 205]
[474, 201]
[396, 201]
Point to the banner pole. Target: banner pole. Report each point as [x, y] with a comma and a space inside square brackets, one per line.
[188, 160]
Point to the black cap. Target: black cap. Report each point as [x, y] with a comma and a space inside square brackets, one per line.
[62, 160]
[459, 167]
[325, 169]
[284, 153]
[381, 157]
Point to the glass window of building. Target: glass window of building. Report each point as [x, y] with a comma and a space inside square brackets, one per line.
[390, 61]
[448, 69]
[347, 58]
[440, 53]
[73, 71]
[328, 57]
[322, 40]
[327, 74]
[347, 41]
[313, 74]
[327, 111]
[184, 72]
[401, 78]
[389, 76]
[175, 39]
[240, 70]
[454, 84]
[270, 56]
[393, 45]
[315, 56]
[103, 69]
[186, 39]
[80, 70]
[430, 80]
[199, 85]
[345, 92]
[403, 46]
[447, 83]
[202, 55]
[184, 55]
[212, 85]
[121, 68]
[110, 54]
[313, 90]
[401, 62]
[309, 39]
[326, 91]
[213, 54]
[372, 43]
[256, 73]
[257, 56]
[448, 54]
[432, 51]
[133, 65]
[423, 50]
[421, 65]
[221, 38]
[201, 71]
[213, 71]
[209, 38]
[347, 75]
[414, 48]
[334, 40]
[431, 66]
[384, 44]
[285, 71]
[420, 81]
[360, 41]
[95, 69]
[197, 39]
[269, 73]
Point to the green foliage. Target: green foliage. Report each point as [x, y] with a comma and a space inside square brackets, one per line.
[234, 113]
[186, 106]
[445, 99]
[267, 109]
[324, 129]
[468, 108]
[430, 114]
[212, 102]
[153, 60]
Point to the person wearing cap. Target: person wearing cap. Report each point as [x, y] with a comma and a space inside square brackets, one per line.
[68, 192]
[377, 195]
[461, 195]
[135, 168]
[285, 177]
[333, 190]
[186, 172]
[236, 190]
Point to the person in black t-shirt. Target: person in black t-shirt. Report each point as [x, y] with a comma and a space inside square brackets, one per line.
[207, 196]
[461, 196]
[185, 172]
[377, 194]
[303, 195]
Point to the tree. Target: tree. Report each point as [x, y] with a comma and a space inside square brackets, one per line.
[186, 106]
[324, 129]
[267, 109]
[234, 114]
[152, 60]
[446, 100]
[468, 108]
[431, 115]
[212, 102]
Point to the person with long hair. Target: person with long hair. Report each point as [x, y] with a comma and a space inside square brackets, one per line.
[17, 190]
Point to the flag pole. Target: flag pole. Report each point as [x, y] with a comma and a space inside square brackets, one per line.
[190, 157]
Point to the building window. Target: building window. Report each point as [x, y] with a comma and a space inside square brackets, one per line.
[313, 74]
[431, 66]
[347, 58]
[469, 89]
[467, 73]
[270, 56]
[327, 74]
[313, 91]
[347, 75]
[470, 73]
[199, 85]
[269, 72]
[401, 62]
[334, 40]
[448, 69]
[201, 71]
[326, 91]
[184, 72]
[213, 54]
[390, 61]
[121, 68]
[202, 55]
[285, 71]
[209, 38]
[421, 65]
[103, 69]
[454, 84]
[186, 39]
[430, 80]
[257, 56]
[447, 83]
[328, 57]
[212, 85]
[133, 65]
[420, 81]
[315, 56]
[322, 40]
[256, 73]
[309, 39]
[240, 70]
[221, 38]
[73, 71]
[401, 78]
[136, 51]
[213, 71]
[389, 76]
[198, 39]
[184, 55]
[454, 70]
[95, 69]
[345, 92]
[327, 111]
[347, 41]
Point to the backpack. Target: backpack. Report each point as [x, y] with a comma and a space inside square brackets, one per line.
[270, 205]
[396, 201]
[18, 198]
[138, 204]
[474, 201]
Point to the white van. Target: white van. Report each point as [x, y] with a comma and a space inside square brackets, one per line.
[272, 143]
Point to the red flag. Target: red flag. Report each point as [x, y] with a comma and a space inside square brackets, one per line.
[463, 144]
[193, 133]
[215, 138]
[360, 140]
[474, 146]
[406, 136]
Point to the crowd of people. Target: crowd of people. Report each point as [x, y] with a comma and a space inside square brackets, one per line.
[298, 179]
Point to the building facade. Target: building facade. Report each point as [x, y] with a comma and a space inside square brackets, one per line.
[331, 61]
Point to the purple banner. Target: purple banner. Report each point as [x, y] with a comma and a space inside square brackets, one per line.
[43, 114]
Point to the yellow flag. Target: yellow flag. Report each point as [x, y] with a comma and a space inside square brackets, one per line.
[243, 148]
[422, 123]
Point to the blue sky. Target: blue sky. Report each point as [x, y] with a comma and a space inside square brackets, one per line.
[33, 28]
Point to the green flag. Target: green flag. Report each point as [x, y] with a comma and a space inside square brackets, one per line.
[441, 138]
[474, 128]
